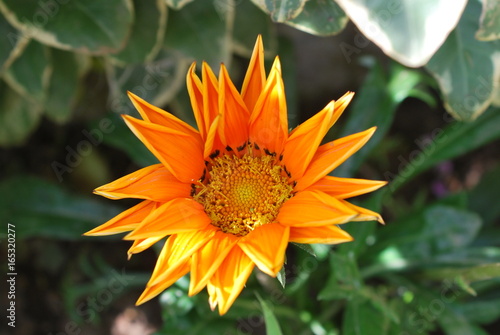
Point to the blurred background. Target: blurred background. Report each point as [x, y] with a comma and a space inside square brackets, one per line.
[426, 74]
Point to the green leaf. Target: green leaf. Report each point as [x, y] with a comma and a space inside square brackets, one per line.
[89, 26]
[456, 139]
[435, 230]
[489, 24]
[30, 73]
[148, 31]
[39, 208]
[454, 323]
[320, 17]
[123, 139]
[18, 117]
[378, 300]
[11, 44]
[464, 277]
[272, 325]
[157, 82]
[176, 301]
[251, 21]
[469, 256]
[344, 280]
[481, 272]
[362, 318]
[397, 26]
[282, 277]
[466, 69]
[468, 274]
[483, 197]
[201, 31]
[306, 247]
[281, 10]
[68, 69]
[483, 311]
[177, 4]
[375, 105]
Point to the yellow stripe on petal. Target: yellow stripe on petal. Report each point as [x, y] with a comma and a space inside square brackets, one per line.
[314, 208]
[227, 283]
[208, 259]
[255, 78]
[181, 154]
[305, 139]
[212, 141]
[331, 155]
[142, 244]
[266, 246]
[125, 221]
[158, 116]
[154, 182]
[364, 214]
[343, 188]
[177, 250]
[152, 290]
[269, 120]
[212, 294]
[176, 216]
[329, 234]
[233, 127]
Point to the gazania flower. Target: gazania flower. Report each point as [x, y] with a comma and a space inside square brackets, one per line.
[232, 194]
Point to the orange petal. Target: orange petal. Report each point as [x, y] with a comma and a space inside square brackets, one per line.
[125, 221]
[364, 214]
[153, 290]
[210, 89]
[158, 116]
[142, 244]
[332, 154]
[213, 140]
[208, 259]
[266, 246]
[177, 250]
[255, 78]
[233, 128]
[329, 234]
[314, 208]
[305, 139]
[179, 152]
[176, 216]
[343, 188]
[195, 88]
[154, 182]
[227, 283]
[268, 121]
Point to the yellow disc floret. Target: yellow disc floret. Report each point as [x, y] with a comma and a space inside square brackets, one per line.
[242, 193]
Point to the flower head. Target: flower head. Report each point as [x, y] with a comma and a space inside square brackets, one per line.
[232, 194]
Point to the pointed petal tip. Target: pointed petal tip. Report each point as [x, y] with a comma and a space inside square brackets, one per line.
[102, 192]
[381, 220]
[142, 299]
[95, 232]
[276, 65]
[131, 95]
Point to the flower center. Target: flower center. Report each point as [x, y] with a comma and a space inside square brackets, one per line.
[241, 194]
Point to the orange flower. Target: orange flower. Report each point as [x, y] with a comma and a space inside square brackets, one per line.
[233, 193]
